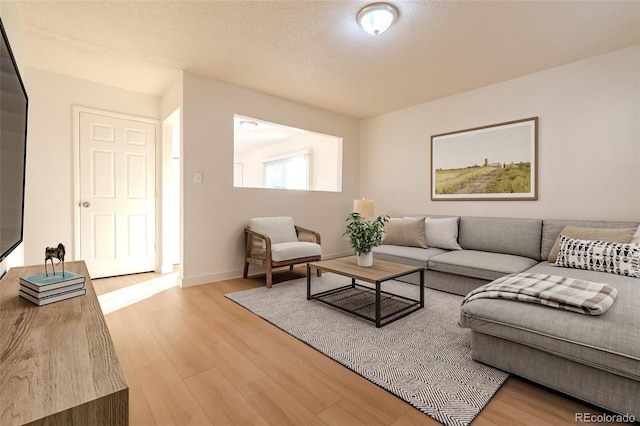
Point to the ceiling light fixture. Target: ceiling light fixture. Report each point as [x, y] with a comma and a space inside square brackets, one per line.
[248, 125]
[377, 18]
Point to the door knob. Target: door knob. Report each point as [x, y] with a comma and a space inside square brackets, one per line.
[86, 204]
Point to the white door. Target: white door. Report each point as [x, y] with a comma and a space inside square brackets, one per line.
[117, 194]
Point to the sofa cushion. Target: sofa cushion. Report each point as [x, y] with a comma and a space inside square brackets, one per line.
[405, 232]
[480, 264]
[603, 256]
[551, 228]
[618, 235]
[608, 342]
[294, 250]
[520, 237]
[442, 232]
[279, 229]
[408, 255]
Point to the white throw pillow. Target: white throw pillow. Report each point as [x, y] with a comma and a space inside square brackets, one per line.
[442, 233]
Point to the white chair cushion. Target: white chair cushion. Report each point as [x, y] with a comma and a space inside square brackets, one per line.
[287, 251]
[279, 229]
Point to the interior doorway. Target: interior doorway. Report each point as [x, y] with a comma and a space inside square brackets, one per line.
[171, 192]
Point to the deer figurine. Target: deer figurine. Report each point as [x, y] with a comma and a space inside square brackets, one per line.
[50, 253]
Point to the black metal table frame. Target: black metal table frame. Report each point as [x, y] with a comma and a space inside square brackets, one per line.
[412, 307]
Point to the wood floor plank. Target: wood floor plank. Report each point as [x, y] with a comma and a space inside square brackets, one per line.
[171, 301]
[527, 402]
[227, 359]
[414, 417]
[336, 415]
[139, 411]
[185, 356]
[276, 405]
[168, 396]
[196, 302]
[106, 285]
[221, 401]
[239, 315]
[310, 392]
[130, 335]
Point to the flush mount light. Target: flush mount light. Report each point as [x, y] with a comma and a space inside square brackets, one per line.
[377, 18]
[248, 125]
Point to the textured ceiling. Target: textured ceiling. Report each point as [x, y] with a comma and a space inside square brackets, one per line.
[313, 52]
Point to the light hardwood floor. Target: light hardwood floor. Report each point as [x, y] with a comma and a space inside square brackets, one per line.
[193, 357]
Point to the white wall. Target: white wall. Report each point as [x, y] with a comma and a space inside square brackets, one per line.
[50, 203]
[588, 143]
[215, 213]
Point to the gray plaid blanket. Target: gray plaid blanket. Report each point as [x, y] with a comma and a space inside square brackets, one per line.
[570, 294]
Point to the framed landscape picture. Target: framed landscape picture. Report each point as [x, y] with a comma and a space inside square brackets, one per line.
[496, 162]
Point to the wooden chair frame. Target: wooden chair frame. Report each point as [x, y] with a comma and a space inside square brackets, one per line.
[258, 251]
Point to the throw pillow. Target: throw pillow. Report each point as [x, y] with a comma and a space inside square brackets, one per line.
[618, 235]
[404, 232]
[442, 233]
[636, 236]
[602, 256]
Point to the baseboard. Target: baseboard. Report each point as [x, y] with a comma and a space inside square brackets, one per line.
[209, 278]
[236, 273]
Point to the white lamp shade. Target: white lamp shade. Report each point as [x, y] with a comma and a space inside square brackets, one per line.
[377, 18]
[364, 207]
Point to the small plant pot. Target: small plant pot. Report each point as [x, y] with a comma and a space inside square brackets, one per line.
[365, 260]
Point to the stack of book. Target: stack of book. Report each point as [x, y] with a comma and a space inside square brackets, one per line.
[43, 289]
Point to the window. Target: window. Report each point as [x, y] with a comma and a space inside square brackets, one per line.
[269, 155]
[291, 172]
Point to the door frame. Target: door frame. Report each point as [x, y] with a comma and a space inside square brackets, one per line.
[77, 110]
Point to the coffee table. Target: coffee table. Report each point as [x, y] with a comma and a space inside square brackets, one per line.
[370, 303]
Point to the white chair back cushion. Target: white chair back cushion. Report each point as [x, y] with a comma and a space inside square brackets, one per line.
[279, 229]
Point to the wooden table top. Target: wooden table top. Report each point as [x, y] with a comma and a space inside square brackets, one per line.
[381, 270]
[54, 357]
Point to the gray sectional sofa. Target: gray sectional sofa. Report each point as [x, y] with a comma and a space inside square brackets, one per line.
[593, 358]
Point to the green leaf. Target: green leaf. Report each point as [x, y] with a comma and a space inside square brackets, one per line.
[362, 234]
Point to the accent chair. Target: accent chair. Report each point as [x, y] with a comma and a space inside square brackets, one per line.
[276, 241]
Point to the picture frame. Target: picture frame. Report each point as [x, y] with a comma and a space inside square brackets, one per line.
[494, 162]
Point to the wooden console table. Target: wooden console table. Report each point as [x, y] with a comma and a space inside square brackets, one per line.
[58, 365]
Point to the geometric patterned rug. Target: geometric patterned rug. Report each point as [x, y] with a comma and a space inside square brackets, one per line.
[423, 358]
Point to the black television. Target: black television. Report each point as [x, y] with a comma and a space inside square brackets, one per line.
[13, 149]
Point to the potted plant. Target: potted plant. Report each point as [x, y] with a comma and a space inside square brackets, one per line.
[363, 235]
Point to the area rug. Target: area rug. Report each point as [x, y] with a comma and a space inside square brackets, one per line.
[423, 358]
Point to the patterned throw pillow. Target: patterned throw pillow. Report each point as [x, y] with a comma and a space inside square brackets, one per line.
[602, 256]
